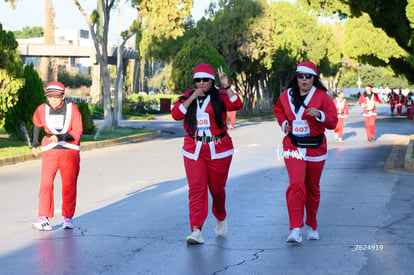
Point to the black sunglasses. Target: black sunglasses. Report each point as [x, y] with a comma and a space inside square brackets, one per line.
[205, 79]
[302, 76]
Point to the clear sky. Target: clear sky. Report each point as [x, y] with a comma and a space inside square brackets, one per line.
[31, 13]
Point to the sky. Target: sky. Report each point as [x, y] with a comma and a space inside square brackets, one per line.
[31, 13]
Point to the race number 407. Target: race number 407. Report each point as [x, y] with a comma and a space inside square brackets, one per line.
[301, 130]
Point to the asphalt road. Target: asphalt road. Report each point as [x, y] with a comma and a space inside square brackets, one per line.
[132, 212]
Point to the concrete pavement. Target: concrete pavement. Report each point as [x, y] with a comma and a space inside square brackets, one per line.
[132, 215]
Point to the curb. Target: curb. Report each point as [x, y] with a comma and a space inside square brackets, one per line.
[408, 160]
[87, 146]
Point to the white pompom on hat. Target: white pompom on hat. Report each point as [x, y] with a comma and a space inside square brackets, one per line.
[307, 67]
[204, 70]
[54, 88]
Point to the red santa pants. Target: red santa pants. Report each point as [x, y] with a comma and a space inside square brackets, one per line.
[409, 112]
[340, 127]
[399, 109]
[303, 191]
[370, 126]
[231, 116]
[206, 174]
[67, 162]
[392, 107]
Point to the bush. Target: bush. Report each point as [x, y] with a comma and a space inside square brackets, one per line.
[87, 122]
[74, 80]
[137, 104]
[19, 119]
[96, 111]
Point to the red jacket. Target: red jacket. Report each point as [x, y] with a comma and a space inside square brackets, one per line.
[72, 125]
[409, 102]
[284, 112]
[369, 104]
[341, 107]
[219, 149]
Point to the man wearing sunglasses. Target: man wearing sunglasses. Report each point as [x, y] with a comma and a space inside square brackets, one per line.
[208, 148]
[304, 111]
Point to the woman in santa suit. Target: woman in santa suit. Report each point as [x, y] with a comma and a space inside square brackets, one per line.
[343, 111]
[304, 111]
[369, 101]
[208, 148]
[60, 151]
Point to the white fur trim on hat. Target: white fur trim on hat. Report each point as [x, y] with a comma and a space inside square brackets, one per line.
[305, 69]
[202, 74]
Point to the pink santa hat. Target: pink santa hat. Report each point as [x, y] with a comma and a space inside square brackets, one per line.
[204, 70]
[307, 67]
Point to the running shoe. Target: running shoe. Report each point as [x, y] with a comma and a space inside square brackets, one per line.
[67, 223]
[42, 223]
[295, 236]
[195, 237]
[221, 227]
[312, 234]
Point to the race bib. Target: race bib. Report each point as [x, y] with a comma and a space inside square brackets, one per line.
[300, 128]
[56, 122]
[203, 121]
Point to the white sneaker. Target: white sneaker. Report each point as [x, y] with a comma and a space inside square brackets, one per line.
[42, 223]
[295, 236]
[221, 227]
[195, 237]
[339, 139]
[312, 234]
[67, 223]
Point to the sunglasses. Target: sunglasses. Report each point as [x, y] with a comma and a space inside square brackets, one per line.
[302, 76]
[204, 79]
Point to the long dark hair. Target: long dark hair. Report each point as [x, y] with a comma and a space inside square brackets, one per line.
[294, 92]
[219, 107]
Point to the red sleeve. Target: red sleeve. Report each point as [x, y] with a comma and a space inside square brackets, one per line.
[376, 98]
[76, 128]
[361, 100]
[329, 109]
[177, 110]
[279, 110]
[346, 108]
[37, 116]
[231, 106]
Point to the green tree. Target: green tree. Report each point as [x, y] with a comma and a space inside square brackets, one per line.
[195, 51]
[396, 18]
[11, 71]
[155, 14]
[367, 44]
[281, 38]
[29, 32]
[87, 121]
[18, 122]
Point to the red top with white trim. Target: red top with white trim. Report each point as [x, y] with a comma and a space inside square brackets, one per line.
[219, 149]
[341, 107]
[284, 112]
[71, 124]
[369, 103]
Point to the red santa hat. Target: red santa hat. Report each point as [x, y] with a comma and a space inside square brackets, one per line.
[204, 70]
[54, 88]
[307, 67]
[368, 86]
